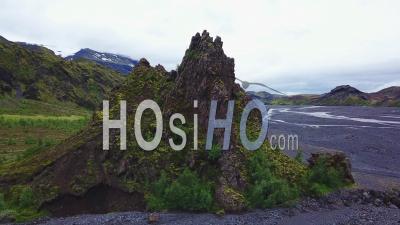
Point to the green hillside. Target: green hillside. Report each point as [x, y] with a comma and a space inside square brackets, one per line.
[44, 99]
[35, 72]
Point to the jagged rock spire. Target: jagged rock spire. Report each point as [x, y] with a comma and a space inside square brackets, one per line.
[205, 74]
[198, 40]
[143, 62]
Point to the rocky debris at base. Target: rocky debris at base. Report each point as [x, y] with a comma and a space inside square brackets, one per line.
[154, 218]
[346, 198]
[353, 215]
[357, 214]
[356, 206]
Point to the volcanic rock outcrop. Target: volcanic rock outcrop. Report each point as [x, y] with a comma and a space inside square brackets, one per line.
[82, 169]
[77, 176]
[206, 74]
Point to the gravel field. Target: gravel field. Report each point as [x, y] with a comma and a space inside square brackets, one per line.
[368, 135]
[357, 214]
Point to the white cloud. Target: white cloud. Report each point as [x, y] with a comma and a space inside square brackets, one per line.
[296, 46]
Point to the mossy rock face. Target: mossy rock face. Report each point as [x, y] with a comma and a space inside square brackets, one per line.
[78, 169]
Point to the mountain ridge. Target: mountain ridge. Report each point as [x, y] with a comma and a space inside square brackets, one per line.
[117, 62]
[342, 95]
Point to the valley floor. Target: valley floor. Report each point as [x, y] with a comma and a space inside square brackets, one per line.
[367, 135]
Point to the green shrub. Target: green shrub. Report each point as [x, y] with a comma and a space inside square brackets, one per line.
[272, 192]
[322, 179]
[268, 190]
[187, 192]
[318, 190]
[2, 202]
[299, 156]
[214, 153]
[26, 198]
[156, 200]
[19, 205]
[30, 140]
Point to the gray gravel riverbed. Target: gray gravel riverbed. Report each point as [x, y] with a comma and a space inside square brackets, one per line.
[370, 137]
[357, 214]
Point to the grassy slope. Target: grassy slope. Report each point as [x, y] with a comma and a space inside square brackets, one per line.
[34, 107]
[28, 130]
[44, 100]
[30, 126]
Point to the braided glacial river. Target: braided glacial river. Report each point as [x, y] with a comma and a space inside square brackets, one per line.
[370, 137]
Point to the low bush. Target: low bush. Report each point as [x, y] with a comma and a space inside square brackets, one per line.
[19, 205]
[268, 190]
[214, 153]
[2, 202]
[299, 156]
[30, 140]
[322, 179]
[26, 198]
[187, 192]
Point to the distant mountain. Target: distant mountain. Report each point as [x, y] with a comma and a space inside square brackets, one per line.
[264, 96]
[344, 95]
[116, 62]
[340, 95]
[35, 72]
[389, 96]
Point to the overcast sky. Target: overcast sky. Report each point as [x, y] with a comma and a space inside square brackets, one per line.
[294, 46]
